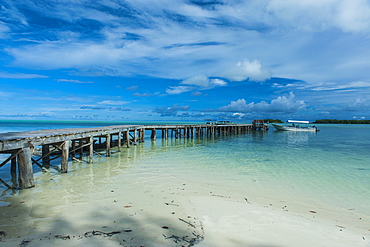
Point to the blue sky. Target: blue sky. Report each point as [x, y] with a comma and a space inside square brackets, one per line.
[184, 59]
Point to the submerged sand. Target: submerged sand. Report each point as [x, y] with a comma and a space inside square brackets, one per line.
[116, 203]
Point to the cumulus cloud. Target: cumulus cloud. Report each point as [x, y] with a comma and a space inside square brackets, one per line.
[170, 111]
[283, 104]
[7, 75]
[246, 69]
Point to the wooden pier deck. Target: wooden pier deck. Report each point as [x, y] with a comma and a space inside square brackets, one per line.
[66, 143]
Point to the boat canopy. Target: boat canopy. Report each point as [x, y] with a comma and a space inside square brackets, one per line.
[295, 121]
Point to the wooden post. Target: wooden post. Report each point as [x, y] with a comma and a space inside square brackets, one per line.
[73, 148]
[13, 172]
[25, 169]
[91, 149]
[119, 141]
[128, 138]
[154, 135]
[65, 155]
[135, 136]
[107, 147]
[142, 135]
[46, 159]
[80, 151]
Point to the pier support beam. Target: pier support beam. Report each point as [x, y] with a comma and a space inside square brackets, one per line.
[65, 156]
[127, 138]
[154, 135]
[119, 141]
[46, 155]
[135, 137]
[91, 149]
[142, 135]
[25, 169]
[107, 148]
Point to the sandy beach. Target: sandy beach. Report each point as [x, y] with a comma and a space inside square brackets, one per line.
[172, 212]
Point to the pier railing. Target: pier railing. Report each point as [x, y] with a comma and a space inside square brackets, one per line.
[66, 143]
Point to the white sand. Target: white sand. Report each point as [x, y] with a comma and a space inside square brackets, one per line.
[169, 214]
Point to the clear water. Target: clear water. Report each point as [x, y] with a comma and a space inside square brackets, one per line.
[329, 169]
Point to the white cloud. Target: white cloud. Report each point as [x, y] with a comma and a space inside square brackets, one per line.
[199, 80]
[113, 102]
[218, 82]
[7, 75]
[4, 30]
[309, 40]
[284, 104]
[142, 94]
[347, 15]
[73, 81]
[204, 81]
[360, 103]
[330, 86]
[246, 69]
[179, 89]
[171, 111]
[132, 88]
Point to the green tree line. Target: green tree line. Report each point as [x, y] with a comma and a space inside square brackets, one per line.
[336, 121]
[272, 121]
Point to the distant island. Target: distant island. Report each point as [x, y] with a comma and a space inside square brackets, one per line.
[336, 121]
[324, 121]
[272, 121]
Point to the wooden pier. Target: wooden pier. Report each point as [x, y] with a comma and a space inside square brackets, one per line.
[66, 144]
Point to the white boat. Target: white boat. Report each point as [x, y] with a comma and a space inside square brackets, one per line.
[296, 126]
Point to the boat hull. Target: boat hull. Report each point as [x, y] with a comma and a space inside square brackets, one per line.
[292, 128]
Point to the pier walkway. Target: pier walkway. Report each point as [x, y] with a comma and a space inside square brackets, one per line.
[22, 147]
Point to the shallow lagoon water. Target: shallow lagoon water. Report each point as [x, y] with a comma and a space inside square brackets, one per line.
[324, 171]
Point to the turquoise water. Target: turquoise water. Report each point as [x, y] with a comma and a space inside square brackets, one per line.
[327, 169]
